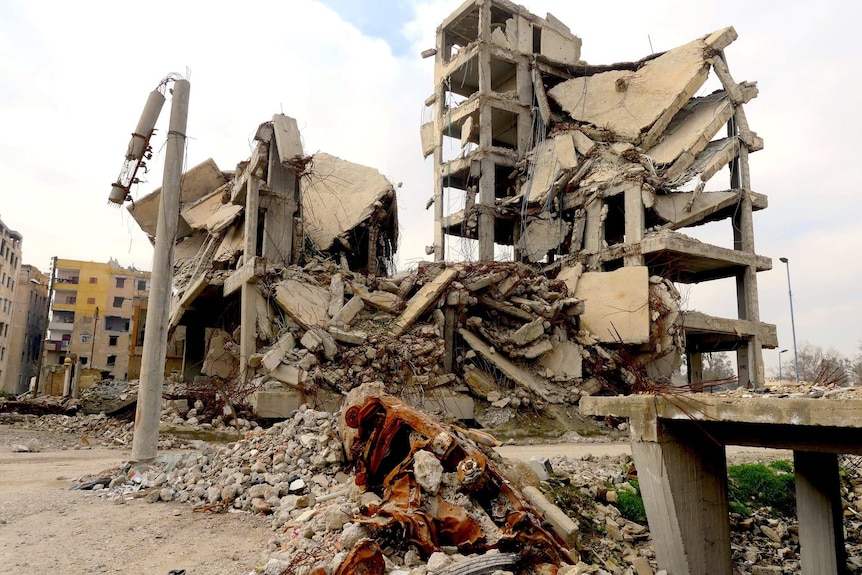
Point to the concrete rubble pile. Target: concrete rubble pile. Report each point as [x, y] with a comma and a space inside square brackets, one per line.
[491, 330]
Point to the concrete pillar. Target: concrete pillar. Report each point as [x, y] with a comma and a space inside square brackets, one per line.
[279, 206]
[486, 214]
[145, 444]
[746, 282]
[682, 478]
[67, 377]
[594, 230]
[635, 222]
[486, 181]
[818, 508]
[695, 370]
[439, 102]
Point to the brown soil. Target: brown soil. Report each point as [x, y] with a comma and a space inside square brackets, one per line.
[47, 528]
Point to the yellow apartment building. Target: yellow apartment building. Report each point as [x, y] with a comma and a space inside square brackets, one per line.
[92, 314]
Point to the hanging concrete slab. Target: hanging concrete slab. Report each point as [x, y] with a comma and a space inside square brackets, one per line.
[197, 182]
[197, 213]
[543, 235]
[629, 102]
[713, 158]
[692, 128]
[339, 196]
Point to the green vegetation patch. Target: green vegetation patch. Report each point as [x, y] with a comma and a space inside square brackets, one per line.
[755, 485]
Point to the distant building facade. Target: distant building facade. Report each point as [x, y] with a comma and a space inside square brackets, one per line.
[92, 314]
[10, 261]
[28, 328]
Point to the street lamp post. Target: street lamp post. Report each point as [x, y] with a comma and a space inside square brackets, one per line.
[792, 320]
[779, 364]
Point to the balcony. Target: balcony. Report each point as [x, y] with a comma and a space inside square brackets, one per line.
[61, 325]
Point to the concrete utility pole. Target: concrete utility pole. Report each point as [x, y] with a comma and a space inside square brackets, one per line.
[145, 444]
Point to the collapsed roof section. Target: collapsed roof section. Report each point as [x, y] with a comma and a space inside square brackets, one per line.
[316, 204]
[602, 165]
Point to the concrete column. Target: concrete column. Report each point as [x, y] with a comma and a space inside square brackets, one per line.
[594, 230]
[486, 214]
[280, 206]
[748, 305]
[439, 101]
[145, 444]
[635, 221]
[818, 508]
[683, 480]
[67, 377]
[695, 370]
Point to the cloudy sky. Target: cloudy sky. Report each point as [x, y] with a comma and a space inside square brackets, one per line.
[74, 77]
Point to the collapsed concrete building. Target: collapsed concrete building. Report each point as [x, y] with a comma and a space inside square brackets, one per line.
[284, 274]
[600, 166]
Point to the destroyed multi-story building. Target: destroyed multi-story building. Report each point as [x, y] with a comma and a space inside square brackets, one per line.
[597, 166]
[91, 314]
[28, 329]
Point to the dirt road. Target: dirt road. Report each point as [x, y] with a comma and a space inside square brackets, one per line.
[46, 528]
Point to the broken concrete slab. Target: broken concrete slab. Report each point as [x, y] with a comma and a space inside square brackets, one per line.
[379, 299]
[518, 375]
[336, 291]
[289, 374]
[221, 358]
[305, 303]
[546, 169]
[338, 196]
[287, 138]
[564, 360]
[426, 135]
[713, 158]
[272, 358]
[348, 312]
[627, 103]
[528, 332]
[543, 235]
[693, 128]
[197, 213]
[350, 337]
[617, 305]
[196, 183]
[570, 277]
[682, 209]
[423, 300]
[282, 404]
[223, 217]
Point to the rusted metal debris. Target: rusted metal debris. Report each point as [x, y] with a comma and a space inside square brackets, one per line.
[365, 558]
[389, 434]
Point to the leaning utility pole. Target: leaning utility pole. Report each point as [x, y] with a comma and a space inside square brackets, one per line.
[145, 444]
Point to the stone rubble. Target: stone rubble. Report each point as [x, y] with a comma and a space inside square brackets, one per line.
[295, 473]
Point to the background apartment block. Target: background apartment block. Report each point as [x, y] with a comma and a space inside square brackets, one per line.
[10, 260]
[28, 329]
[91, 314]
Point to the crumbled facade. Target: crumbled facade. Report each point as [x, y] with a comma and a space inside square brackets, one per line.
[598, 166]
